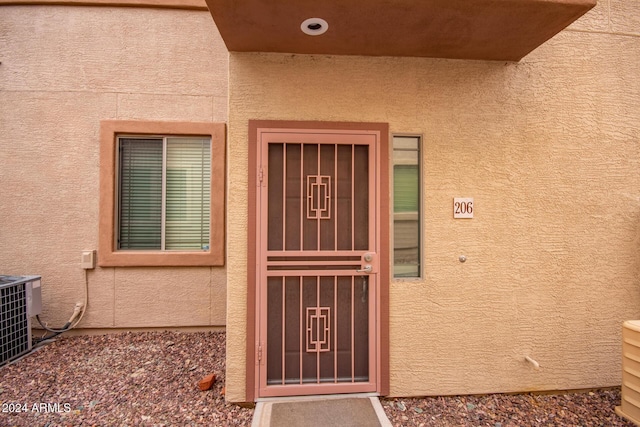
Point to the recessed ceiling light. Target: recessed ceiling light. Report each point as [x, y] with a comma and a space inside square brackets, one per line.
[314, 26]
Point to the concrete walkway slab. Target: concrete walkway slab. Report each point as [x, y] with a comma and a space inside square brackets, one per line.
[321, 411]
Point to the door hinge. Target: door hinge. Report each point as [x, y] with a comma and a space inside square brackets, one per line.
[259, 352]
[260, 175]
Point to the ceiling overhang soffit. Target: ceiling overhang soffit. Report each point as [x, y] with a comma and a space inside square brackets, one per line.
[461, 29]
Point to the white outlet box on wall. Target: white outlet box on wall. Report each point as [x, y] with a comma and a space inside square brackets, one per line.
[88, 261]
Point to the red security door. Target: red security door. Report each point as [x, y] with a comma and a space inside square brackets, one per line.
[318, 262]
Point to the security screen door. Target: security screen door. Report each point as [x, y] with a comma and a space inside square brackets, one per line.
[318, 262]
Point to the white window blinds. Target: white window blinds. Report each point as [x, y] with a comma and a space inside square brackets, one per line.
[188, 193]
[140, 194]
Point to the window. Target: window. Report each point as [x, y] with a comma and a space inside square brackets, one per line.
[406, 206]
[162, 194]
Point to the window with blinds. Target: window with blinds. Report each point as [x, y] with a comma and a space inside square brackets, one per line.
[406, 206]
[164, 193]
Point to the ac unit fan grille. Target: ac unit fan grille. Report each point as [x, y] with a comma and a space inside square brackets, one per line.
[14, 325]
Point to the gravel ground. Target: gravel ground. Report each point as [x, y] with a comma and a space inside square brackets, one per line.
[151, 379]
[593, 408]
[130, 379]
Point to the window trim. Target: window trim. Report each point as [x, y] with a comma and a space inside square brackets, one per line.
[108, 255]
[420, 139]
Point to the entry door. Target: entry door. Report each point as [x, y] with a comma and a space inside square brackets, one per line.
[318, 262]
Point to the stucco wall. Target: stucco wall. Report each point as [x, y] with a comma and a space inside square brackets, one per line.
[550, 150]
[63, 70]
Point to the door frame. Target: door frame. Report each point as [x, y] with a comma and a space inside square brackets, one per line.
[253, 241]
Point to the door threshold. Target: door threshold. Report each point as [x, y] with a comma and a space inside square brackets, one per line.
[314, 397]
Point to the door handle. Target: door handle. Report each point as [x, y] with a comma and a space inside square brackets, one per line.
[366, 269]
[368, 263]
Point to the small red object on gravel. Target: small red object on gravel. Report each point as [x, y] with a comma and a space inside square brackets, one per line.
[207, 382]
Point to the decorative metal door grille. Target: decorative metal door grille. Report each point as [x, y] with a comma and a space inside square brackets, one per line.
[318, 329]
[318, 197]
[318, 216]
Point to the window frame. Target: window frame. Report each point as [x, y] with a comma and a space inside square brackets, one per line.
[108, 254]
[420, 207]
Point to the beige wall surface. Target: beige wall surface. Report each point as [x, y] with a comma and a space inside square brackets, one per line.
[550, 150]
[63, 69]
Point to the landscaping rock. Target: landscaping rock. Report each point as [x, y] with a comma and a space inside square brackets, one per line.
[207, 382]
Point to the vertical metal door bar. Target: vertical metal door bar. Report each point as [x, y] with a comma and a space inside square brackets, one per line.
[302, 216]
[284, 196]
[301, 333]
[374, 366]
[353, 363]
[284, 332]
[318, 345]
[374, 245]
[374, 196]
[335, 205]
[335, 328]
[318, 201]
[353, 185]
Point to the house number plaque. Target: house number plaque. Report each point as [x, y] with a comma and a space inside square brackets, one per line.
[463, 207]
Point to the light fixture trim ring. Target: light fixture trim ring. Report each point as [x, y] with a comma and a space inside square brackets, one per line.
[314, 26]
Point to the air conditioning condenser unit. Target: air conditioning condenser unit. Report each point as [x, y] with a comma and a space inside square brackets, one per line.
[20, 299]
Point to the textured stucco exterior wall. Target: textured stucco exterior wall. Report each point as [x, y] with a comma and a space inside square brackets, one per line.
[550, 150]
[63, 70]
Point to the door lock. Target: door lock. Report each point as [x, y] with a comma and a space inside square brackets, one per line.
[369, 263]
